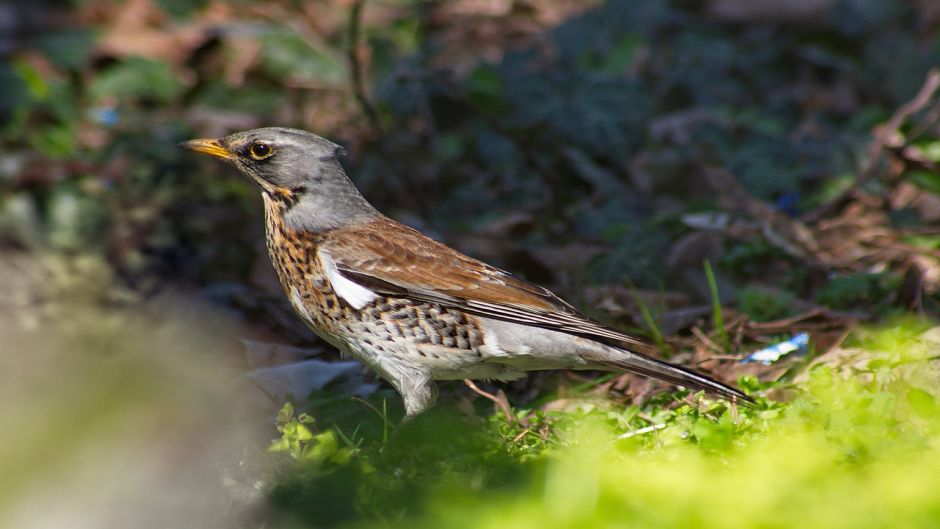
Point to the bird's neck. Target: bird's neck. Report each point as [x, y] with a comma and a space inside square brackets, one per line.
[327, 207]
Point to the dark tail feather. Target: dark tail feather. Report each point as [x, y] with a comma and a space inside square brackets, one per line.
[680, 376]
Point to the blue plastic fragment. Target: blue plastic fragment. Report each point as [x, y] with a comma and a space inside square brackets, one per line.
[107, 116]
[769, 355]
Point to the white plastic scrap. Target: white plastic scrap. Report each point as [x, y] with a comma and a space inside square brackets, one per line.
[769, 355]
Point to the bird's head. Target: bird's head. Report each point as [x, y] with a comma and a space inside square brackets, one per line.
[280, 160]
[297, 168]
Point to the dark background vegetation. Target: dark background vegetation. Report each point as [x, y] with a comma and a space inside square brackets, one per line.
[716, 175]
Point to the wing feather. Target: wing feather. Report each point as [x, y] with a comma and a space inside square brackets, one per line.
[389, 258]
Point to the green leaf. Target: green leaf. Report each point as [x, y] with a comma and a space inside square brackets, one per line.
[284, 415]
[279, 445]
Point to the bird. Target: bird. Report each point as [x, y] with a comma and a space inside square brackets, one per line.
[411, 308]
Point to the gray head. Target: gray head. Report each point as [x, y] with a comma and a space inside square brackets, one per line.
[300, 169]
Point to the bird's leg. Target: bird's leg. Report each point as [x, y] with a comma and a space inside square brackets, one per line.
[499, 399]
[418, 391]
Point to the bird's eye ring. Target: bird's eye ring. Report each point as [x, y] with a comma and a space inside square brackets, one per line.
[260, 151]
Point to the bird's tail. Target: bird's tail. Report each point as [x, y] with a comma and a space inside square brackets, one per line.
[681, 376]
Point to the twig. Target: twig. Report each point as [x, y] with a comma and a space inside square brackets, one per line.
[410, 191]
[785, 323]
[706, 340]
[501, 403]
[721, 357]
[838, 343]
[357, 78]
[521, 435]
[641, 431]
[930, 120]
[882, 138]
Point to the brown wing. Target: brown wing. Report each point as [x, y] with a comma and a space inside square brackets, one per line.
[392, 259]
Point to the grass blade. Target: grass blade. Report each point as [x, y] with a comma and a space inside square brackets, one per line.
[718, 320]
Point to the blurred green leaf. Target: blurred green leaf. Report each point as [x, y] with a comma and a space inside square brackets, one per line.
[288, 56]
[182, 8]
[926, 180]
[252, 99]
[37, 86]
[55, 141]
[923, 403]
[620, 57]
[137, 78]
[762, 305]
[486, 91]
[70, 48]
[845, 292]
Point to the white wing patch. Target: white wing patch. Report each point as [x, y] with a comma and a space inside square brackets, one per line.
[353, 293]
[298, 304]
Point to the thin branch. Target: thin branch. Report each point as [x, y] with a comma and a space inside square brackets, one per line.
[706, 340]
[357, 77]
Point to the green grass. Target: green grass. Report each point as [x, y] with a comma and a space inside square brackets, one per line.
[655, 333]
[718, 320]
[860, 451]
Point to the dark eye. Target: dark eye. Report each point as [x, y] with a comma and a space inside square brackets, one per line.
[260, 151]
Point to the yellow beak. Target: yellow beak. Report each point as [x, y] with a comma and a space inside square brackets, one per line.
[208, 146]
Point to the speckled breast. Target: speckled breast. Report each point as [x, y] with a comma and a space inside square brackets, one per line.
[294, 256]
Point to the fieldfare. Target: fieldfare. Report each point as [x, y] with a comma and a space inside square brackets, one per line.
[407, 306]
